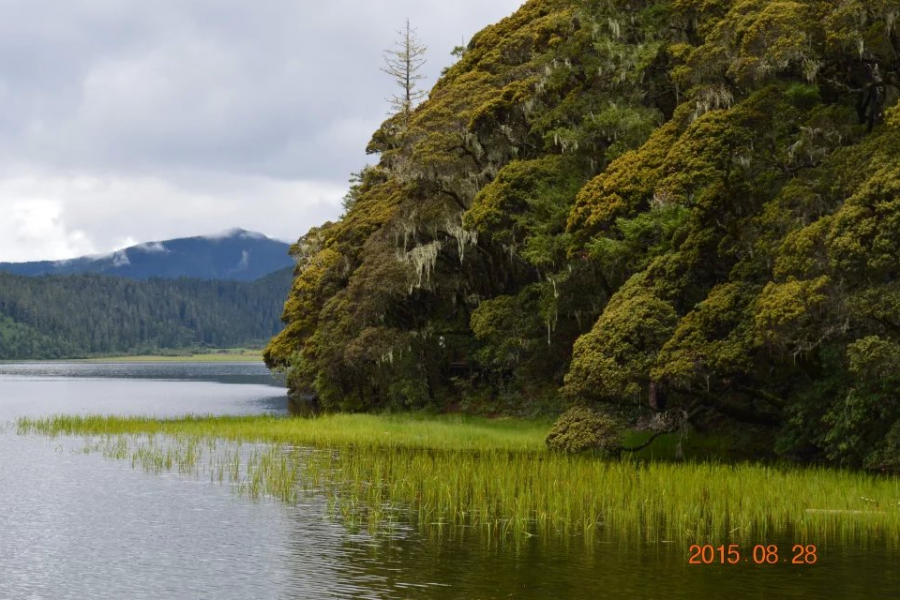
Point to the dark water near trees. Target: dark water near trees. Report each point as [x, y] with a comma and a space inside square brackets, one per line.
[75, 525]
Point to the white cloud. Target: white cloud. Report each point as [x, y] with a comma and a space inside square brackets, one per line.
[147, 121]
[149, 247]
[244, 262]
[47, 216]
[120, 259]
[32, 227]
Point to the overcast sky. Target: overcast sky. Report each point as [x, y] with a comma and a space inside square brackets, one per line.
[124, 121]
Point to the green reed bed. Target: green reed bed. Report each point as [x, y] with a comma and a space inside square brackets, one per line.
[256, 470]
[446, 432]
[546, 494]
[452, 475]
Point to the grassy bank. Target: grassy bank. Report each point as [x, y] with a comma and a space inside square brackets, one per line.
[238, 355]
[361, 431]
[450, 475]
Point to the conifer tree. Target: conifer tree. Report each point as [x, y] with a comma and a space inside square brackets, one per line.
[403, 63]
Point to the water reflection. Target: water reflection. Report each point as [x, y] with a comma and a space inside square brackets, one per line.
[159, 389]
[303, 406]
[468, 567]
[225, 372]
[80, 526]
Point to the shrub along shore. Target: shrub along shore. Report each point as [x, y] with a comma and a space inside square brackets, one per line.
[450, 474]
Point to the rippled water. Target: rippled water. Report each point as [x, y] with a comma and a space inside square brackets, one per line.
[75, 525]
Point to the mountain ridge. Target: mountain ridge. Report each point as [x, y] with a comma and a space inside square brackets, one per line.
[232, 255]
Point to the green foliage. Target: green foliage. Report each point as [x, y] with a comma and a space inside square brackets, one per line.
[862, 423]
[874, 359]
[711, 343]
[498, 322]
[892, 116]
[582, 429]
[887, 456]
[613, 361]
[690, 206]
[788, 315]
[625, 186]
[469, 203]
[642, 239]
[20, 341]
[83, 315]
[526, 206]
[864, 237]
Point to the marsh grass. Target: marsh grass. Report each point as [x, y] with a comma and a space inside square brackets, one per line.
[452, 476]
[218, 356]
[256, 470]
[413, 431]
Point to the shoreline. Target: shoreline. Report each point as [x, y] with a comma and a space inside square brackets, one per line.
[211, 357]
[192, 358]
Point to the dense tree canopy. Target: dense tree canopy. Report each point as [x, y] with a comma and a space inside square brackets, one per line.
[648, 205]
[65, 316]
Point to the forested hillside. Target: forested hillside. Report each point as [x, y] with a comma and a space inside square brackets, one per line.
[84, 315]
[685, 207]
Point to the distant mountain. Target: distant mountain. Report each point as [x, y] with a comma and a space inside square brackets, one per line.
[235, 255]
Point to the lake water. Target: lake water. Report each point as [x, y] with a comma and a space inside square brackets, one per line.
[79, 526]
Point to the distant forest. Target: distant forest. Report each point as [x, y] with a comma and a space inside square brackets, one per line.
[86, 315]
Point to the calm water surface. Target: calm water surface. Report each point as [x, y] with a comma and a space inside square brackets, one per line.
[75, 525]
